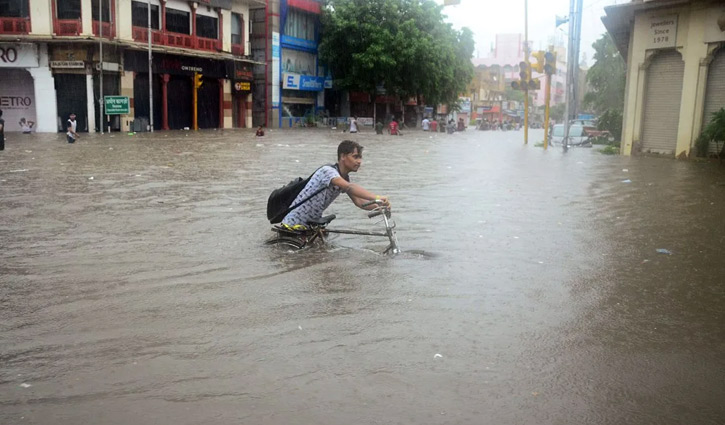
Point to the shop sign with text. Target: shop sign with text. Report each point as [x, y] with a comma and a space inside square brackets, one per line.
[302, 82]
[18, 55]
[662, 31]
[243, 86]
[116, 105]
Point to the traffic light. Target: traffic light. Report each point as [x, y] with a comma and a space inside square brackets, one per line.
[197, 80]
[516, 85]
[524, 71]
[550, 63]
[534, 84]
[539, 66]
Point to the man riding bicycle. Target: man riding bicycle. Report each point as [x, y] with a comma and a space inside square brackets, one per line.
[328, 182]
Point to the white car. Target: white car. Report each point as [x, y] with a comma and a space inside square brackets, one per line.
[577, 135]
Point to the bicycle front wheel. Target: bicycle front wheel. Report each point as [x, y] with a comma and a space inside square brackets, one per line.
[286, 242]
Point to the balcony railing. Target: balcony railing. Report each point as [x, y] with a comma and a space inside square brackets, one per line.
[108, 29]
[14, 25]
[141, 34]
[211, 44]
[171, 39]
[179, 40]
[68, 26]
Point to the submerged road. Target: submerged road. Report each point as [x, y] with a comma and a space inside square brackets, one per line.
[135, 287]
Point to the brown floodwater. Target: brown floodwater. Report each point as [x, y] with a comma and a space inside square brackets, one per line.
[135, 286]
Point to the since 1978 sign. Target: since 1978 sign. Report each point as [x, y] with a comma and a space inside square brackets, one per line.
[662, 31]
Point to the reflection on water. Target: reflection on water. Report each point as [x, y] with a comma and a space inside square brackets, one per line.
[135, 284]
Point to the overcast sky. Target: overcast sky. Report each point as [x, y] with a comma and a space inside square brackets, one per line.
[486, 18]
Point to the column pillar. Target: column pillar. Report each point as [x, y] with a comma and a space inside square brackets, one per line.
[91, 105]
[164, 101]
[162, 11]
[193, 24]
[248, 120]
[222, 102]
[127, 82]
[86, 18]
[220, 34]
[46, 111]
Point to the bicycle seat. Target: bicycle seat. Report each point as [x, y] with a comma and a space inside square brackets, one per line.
[324, 221]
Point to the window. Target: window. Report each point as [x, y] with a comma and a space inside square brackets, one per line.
[139, 15]
[14, 9]
[300, 25]
[237, 28]
[178, 21]
[69, 9]
[206, 27]
[106, 9]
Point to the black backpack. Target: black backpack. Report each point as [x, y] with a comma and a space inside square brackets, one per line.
[280, 200]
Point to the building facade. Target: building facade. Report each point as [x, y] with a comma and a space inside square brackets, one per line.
[54, 66]
[675, 57]
[496, 72]
[288, 75]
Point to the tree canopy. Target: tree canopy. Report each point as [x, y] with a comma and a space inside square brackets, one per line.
[401, 45]
[606, 77]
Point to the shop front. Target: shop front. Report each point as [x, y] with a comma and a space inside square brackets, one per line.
[173, 90]
[241, 108]
[22, 78]
[299, 98]
[71, 66]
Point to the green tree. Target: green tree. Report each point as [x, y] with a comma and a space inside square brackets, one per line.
[607, 78]
[403, 45]
[556, 112]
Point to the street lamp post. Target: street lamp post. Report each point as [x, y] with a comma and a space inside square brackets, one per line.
[100, 63]
[151, 80]
[528, 66]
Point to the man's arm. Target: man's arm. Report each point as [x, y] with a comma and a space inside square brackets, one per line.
[358, 194]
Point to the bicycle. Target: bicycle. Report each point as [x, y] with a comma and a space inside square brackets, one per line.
[317, 231]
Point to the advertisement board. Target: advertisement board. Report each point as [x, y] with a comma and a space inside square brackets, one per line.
[292, 81]
[18, 55]
[276, 56]
[17, 99]
[465, 104]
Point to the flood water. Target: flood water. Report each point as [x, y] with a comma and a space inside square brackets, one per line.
[135, 287]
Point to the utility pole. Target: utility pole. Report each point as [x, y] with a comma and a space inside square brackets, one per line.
[528, 66]
[100, 63]
[572, 64]
[151, 79]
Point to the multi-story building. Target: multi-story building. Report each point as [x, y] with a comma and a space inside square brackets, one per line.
[51, 66]
[293, 81]
[675, 56]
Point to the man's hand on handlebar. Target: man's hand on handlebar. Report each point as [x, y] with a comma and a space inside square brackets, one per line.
[379, 202]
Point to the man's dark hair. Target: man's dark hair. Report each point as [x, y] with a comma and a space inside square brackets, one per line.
[348, 146]
[1, 112]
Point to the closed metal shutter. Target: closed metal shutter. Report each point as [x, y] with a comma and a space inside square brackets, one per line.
[663, 93]
[715, 92]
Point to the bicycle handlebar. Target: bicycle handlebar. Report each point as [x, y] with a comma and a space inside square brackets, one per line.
[378, 212]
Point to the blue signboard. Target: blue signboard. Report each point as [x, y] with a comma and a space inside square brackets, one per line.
[299, 43]
[302, 82]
